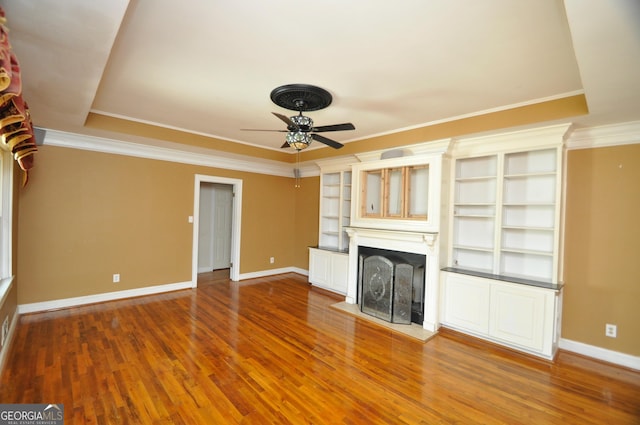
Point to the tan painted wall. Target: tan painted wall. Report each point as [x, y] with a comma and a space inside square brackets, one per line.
[307, 219]
[85, 216]
[602, 247]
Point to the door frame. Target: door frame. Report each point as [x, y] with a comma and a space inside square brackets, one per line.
[236, 214]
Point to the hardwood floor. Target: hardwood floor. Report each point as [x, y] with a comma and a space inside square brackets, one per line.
[271, 350]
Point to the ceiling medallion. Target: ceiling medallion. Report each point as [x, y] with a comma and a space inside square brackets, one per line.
[301, 97]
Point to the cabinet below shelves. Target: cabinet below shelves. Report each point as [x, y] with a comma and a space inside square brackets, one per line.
[522, 316]
[329, 269]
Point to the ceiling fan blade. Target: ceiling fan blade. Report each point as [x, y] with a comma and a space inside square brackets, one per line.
[286, 120]
[327, 141]
[285, 145]
[335, 127]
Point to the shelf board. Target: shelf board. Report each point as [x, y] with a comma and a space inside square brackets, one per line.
[536, 228]
[526, 175]
[527, 252]
[330, 233]
[474, 216]
[528, 204]
[474, 204]
[475, 179]
[473, 248]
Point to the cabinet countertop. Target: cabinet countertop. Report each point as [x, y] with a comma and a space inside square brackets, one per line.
[503, 278]
[325, 248]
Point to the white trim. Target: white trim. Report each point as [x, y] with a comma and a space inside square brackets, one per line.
[5, 287]
[273, 272]
[98, 298]
[203, 157]
[607, 135]
[6, 215]
[8, 342]
[180, 129]
[603, 354]
[236, 224]
[514, 141]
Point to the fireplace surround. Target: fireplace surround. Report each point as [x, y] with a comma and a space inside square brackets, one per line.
[421, 245]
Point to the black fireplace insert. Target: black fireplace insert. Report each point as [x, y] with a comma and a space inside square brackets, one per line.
[391, 285]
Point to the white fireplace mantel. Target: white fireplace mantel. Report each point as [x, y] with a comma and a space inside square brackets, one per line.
[414, 242]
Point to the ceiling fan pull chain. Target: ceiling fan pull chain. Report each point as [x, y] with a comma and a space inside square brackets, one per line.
[296, 172]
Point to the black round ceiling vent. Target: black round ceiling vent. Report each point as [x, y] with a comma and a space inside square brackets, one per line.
[301, 97]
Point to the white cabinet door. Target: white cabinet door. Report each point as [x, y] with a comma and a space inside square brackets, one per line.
[522, 315]
[466, 303]
[340, 272]
[329, 270]
[319, 267]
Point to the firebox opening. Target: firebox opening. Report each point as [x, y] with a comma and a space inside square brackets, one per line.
[391, 284]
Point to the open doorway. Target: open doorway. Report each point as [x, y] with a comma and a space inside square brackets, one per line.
[216, 225]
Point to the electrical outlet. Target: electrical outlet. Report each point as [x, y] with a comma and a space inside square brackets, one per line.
[116, 278]
[272, 260]
[610, 330]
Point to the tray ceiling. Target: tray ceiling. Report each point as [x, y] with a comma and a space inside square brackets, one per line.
[208, 67]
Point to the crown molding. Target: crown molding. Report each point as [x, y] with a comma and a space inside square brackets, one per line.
[207, 158]
[580, 138]
[627, 133]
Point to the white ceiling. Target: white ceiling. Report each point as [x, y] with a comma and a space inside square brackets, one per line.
[208, 67]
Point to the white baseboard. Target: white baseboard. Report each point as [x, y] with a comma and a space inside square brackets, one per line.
[138, 292]
[97, 298]
[9, 341]
[272, 272]
[620, 359]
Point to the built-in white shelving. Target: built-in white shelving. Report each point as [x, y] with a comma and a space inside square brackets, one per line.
[502, 280]
[335, 207]
[474, 213]
[505, 214]
[328, 262]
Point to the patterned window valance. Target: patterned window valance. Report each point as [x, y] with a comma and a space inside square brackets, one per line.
[16, 128]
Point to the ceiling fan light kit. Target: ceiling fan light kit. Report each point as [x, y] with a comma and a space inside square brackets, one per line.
[298, 140]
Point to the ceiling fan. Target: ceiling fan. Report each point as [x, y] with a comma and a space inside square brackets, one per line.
[300, 130]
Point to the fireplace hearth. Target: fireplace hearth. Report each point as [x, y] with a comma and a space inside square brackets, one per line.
[391, 285]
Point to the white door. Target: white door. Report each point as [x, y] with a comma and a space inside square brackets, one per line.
[205, 230]
[214, 231]
[222, 216]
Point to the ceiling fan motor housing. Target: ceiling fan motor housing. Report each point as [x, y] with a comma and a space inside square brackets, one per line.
[304, 123]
